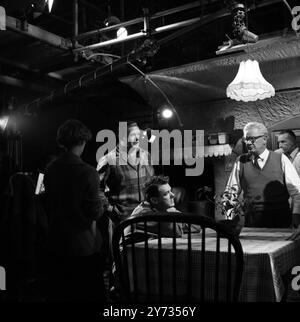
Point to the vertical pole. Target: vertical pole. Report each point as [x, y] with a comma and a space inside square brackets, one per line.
[2, 18]
[75, 25]
[75, 18]
[146, 21]
[122, 10]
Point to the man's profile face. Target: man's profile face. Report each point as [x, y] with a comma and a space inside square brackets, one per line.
[285, 143]
[255, 141]
[165, 199]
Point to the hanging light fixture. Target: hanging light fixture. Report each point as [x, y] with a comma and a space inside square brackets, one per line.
[248, 84]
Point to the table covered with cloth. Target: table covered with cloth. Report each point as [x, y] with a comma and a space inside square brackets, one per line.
[268, 256]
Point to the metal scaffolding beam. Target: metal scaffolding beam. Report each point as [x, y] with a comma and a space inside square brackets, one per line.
[86, 79]
[165, 13]
[35, 32]
[141, 19]
[197, 21]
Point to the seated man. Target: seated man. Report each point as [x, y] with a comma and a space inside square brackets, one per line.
[159, 197]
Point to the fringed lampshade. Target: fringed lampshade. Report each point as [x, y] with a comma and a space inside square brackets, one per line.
[249, 84]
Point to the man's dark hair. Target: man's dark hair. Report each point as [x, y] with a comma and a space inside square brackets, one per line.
[152, 186]
[290, 133]
[72, 133]
[129, 125]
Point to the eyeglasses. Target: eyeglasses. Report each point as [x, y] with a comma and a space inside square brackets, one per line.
[252, 139]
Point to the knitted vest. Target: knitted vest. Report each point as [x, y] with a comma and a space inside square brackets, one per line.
[265, 188]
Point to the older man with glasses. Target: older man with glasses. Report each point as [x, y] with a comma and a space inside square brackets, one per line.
[267, 180]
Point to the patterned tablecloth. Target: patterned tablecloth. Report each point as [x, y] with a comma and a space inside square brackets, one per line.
[268, 257]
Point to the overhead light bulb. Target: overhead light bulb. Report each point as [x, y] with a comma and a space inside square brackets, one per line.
[167, 113]
[113, 20]
[122, 33]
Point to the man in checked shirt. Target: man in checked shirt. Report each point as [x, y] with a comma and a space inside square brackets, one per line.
[123, 174]
[267, 180]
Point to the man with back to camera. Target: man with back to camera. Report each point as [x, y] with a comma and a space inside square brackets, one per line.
[73, 205]
[267, 179]
[287, 145]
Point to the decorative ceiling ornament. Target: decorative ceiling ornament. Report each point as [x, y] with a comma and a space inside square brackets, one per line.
[249, 84]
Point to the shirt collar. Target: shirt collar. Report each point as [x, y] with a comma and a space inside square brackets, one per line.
[264, 155]
[294, 153]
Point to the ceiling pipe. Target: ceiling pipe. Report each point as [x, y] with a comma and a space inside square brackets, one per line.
[141, 19]
[166, 13]
[138, 35]
[110, 42]
[198, 20]
[83, 81]
[178, 33]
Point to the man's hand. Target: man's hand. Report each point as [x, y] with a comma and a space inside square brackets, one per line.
[295, 234]
[110, 208]
[296, 225]
[114, 213]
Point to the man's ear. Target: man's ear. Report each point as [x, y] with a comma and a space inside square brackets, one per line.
[153, 200]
